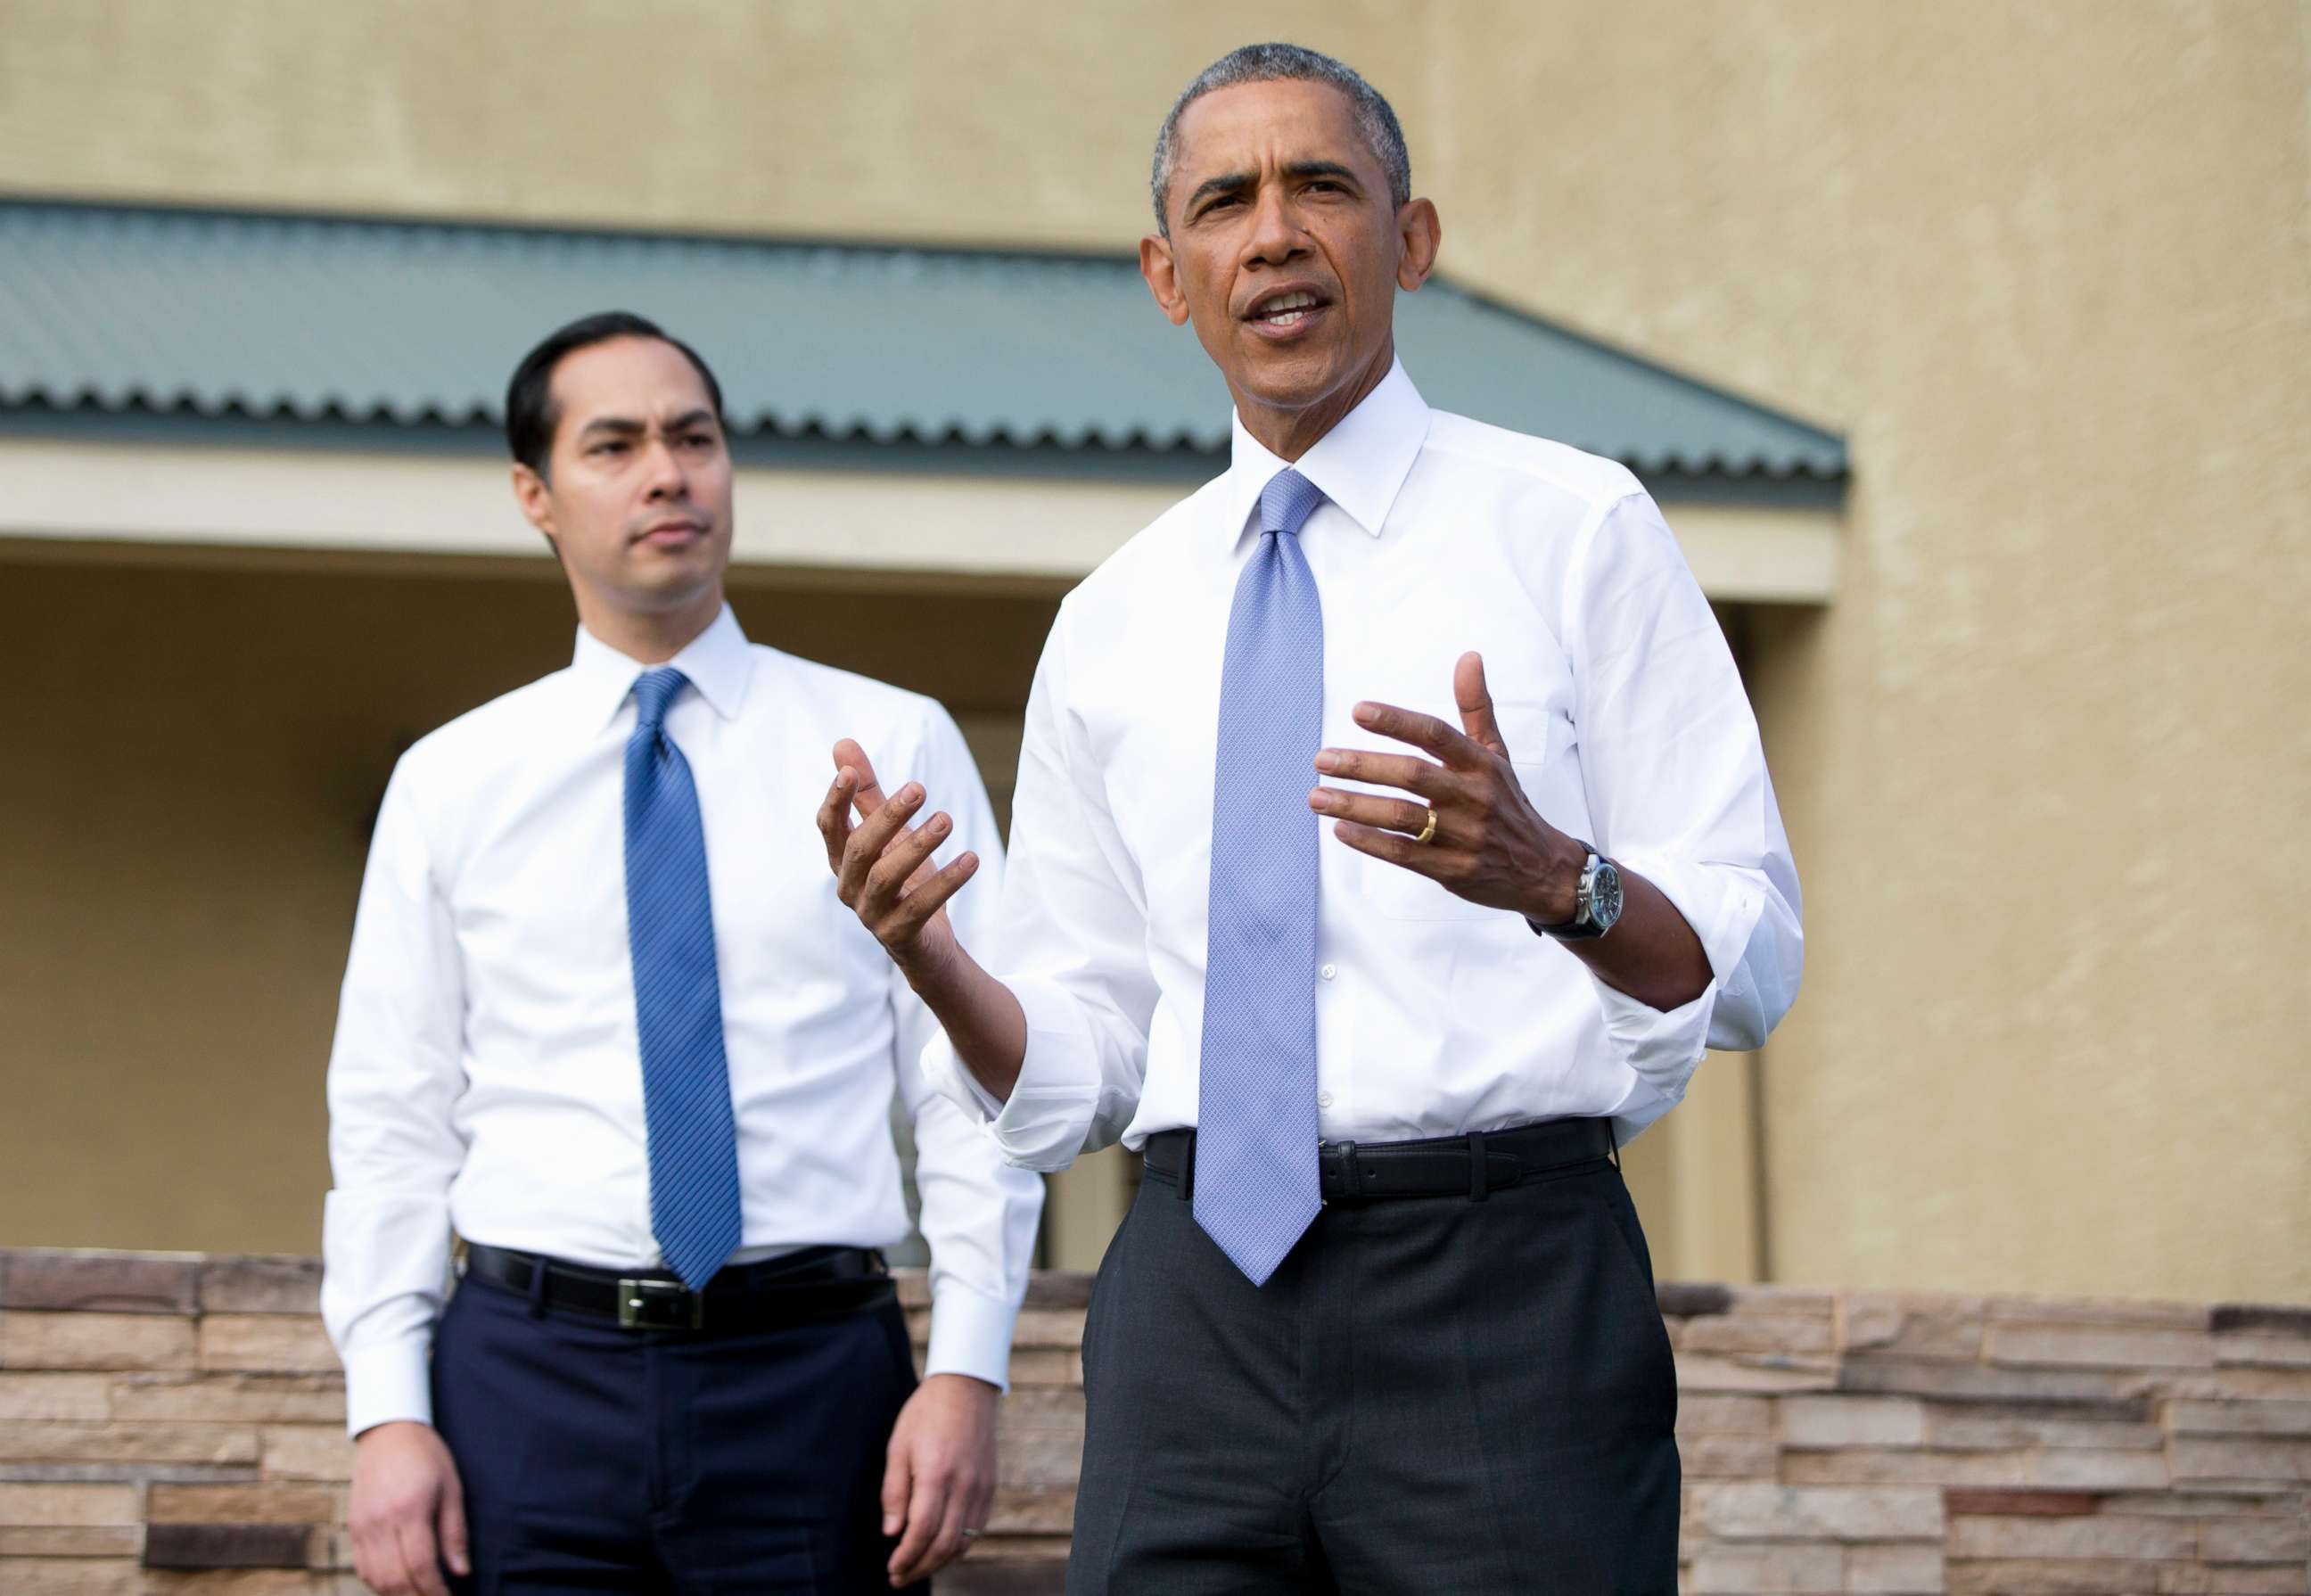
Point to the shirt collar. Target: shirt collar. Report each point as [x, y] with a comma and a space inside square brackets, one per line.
[717, 661]
[1359, 465]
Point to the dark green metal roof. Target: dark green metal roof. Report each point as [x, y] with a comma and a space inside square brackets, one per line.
[108, 310]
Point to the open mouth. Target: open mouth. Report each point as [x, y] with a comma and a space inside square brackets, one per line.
[1287, 311]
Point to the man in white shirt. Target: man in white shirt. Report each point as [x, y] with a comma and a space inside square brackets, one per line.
[605, 1018]
[1391, 837]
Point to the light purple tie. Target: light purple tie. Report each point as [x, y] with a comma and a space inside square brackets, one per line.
[1255, 1179]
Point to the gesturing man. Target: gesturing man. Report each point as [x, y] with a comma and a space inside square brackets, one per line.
[605, 1018]
[1391, 837]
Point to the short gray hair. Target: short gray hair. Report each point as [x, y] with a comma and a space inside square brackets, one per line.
[1287, 62]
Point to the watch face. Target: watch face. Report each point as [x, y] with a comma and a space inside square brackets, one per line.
[1607, 895]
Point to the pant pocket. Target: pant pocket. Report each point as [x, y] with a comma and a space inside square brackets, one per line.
[1634, 1260]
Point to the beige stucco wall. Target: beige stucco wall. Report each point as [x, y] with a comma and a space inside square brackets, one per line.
[2043, 756]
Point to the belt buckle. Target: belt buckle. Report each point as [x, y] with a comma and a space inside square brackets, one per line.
[659, 1304]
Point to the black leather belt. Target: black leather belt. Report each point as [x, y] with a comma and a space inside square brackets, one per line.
[814, 1283]
[1468, 1166]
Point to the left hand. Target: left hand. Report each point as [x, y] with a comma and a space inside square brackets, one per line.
[938, 1479]
[1491, 845]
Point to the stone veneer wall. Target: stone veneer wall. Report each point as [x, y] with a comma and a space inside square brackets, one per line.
[173, 1423]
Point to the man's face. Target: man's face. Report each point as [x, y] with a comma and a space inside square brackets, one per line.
[1286, 250]
[636, 495]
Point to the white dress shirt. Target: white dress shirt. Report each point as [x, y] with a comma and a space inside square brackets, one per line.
[1625, 723]
[486, 1074]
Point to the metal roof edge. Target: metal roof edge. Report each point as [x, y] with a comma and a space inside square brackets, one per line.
[1677, 480]
[1708, 387]
[1184, 442]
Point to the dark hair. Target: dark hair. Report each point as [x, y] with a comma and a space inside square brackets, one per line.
[530, 417]
[1286, 63]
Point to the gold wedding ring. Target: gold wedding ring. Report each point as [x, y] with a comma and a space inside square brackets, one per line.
[1428, 832]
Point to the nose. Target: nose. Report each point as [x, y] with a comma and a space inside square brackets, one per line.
[663, 474]
[1276, 236]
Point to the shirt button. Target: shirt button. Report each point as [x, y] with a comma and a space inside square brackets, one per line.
[1328, 971]
[1323, 1100]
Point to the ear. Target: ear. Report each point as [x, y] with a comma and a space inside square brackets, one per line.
[1418, 233]
[1163, 274]
[535, 499]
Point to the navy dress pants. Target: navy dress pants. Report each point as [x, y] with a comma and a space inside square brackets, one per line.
[670, 1463]
[1431, 1396]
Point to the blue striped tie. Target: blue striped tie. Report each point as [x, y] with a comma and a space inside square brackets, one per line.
[1255, 1183]
[693, 1138]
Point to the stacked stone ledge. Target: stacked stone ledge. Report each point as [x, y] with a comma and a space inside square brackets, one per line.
[174, 1422]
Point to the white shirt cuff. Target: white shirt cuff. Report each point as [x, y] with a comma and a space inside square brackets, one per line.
[971, 1335]
[1664, 1047]
[1661, 1050]
[1043, 1124]
[946, 1071]
[388, 1382]
[1716, 902]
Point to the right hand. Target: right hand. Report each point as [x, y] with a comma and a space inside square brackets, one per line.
[882, 870]
[407, 1516]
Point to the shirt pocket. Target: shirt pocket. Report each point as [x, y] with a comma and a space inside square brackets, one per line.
[1538, 737]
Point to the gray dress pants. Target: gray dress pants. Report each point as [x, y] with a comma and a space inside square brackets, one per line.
[1433, 1395]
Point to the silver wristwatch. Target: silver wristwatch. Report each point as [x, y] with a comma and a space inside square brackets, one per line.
[1597, 902]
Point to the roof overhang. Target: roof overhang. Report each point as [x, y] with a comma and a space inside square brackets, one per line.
[334, 386]
[147, 497]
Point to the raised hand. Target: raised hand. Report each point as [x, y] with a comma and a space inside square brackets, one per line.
[1487, 842]
[882, 867]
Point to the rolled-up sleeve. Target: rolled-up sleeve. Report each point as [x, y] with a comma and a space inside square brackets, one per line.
[1070, 942]
[1678, 793]
[979, 1214]
[395, 1076]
